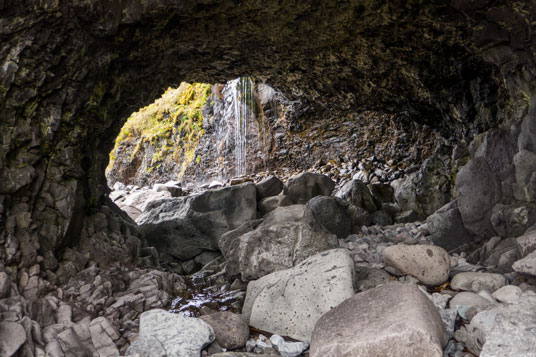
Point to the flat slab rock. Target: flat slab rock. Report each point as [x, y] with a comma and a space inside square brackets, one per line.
[394, 319]
[289, 302]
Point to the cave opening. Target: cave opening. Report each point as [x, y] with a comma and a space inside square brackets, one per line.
[394, 129]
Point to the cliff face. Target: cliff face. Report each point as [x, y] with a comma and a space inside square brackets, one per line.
[200, 133]
[71, 73]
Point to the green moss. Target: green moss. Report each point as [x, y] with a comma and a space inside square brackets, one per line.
[177, 114]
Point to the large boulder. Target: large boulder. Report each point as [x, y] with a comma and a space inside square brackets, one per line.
[512, 220]
[394, 319]
[166, 334]
[332, 214]
[428, 189]
[268, 204]
[12, 336]
[270, 186]
[446, 227]
[289, 302]
[358, 194]
[302, 187]
[498, 146]
[428, 263]
[285, 237]
[502, 329]
[525, 166]
[478, 191]
[184, 227]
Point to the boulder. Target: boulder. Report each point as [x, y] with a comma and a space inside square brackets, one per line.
[381, 218]
[289, 302]
[302, 187]
[103, 336]
[502, 329]
[166, 334]
[394, 319]
[526, 265]
[509, 294]
[446, 227]
[231, 331]
[184, 227]
[270, 186]
[406, 217]
[174, 189]
[381, 193]
[428, 189]
[465, 300]
[478, 191]
[498, 146]
[473, 281]
[525, 166]
[512, 220]
[358, 194]
[428, 263]
[5, 285]
[285, 237]
[332, 214]
[360, 216]
[12, 336]
[140, 199]
[526, 244]
[268, 204]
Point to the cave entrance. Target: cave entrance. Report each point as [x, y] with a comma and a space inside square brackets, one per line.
[195, 134]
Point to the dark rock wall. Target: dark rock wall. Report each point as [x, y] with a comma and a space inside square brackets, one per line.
[71, 72]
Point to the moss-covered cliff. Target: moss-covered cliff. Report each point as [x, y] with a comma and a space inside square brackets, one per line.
[158, 142]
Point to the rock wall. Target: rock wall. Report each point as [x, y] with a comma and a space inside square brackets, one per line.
[249, 127]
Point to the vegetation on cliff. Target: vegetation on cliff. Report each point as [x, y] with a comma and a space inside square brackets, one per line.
[166, 131]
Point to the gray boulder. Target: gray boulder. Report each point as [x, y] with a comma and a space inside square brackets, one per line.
[270, 186]
[381, 218]
[478, 191]
[358, 194]
[302, 187]
[395, 319]
[290, 302]
[332, 214]
[428, 189]
[526, 265]
[446, 227]
[5, 285]
[512, 220]
[285, 237]
[475, 281]
[502, 329]
[12, 336]
[526, 244]
[231, 331]
[382, 193]
[525, 166]
[166, 334]
[498, 146]
[184, 227]
[428, 263]
[268, 204]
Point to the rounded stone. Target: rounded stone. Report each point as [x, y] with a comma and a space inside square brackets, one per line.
[428, 263]
[474, 281]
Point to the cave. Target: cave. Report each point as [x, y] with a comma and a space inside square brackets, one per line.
[72, 73]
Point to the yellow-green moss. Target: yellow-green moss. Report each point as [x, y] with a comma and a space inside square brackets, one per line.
[176, 115]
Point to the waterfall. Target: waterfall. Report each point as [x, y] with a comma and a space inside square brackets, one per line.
[242, 94]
